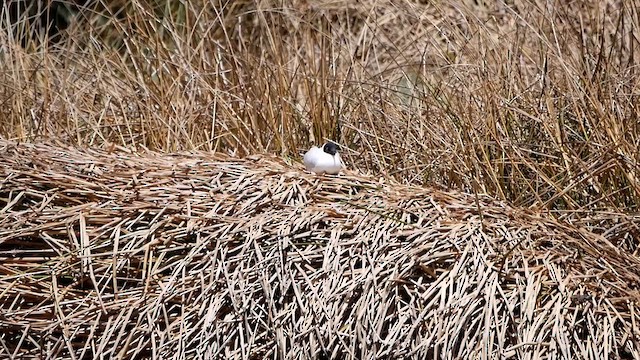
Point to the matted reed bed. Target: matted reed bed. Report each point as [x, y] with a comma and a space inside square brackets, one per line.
[125, 255]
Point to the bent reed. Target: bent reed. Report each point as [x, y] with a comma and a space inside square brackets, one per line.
[130, 255]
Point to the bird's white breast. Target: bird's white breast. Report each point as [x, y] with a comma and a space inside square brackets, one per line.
[319, 162]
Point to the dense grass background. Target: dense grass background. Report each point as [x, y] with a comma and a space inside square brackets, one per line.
[533, 102]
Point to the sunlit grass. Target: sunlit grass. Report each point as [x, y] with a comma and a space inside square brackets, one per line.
[489, 209]
[532, 103]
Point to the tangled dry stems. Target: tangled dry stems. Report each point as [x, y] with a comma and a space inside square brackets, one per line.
[133, 255]
[530, 101]
[196, 255]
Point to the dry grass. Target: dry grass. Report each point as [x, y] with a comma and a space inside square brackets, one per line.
[208, 256]
[122, 251]
[531, 101]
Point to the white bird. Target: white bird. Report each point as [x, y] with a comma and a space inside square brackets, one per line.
[323, 160]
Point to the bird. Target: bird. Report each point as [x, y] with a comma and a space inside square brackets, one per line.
[323, 160]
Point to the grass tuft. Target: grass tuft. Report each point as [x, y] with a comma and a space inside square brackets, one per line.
[529, 102]
[200, 255]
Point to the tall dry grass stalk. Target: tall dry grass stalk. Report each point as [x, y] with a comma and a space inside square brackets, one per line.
[529, 101]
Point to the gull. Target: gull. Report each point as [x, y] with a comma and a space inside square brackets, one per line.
[323, 160]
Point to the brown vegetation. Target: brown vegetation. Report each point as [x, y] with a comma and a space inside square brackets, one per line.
[530, 101]
[122, 250]
[209, 256]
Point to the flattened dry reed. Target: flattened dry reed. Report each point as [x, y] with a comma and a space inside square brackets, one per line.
[205, 256]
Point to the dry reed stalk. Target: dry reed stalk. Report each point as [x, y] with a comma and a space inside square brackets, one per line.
[197, 255]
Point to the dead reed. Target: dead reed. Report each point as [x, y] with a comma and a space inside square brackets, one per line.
[530, 101]
[194, 255]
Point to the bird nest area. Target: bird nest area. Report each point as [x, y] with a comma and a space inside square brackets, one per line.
[116, 254]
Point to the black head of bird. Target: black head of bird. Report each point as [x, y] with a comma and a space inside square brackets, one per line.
[330, 148]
